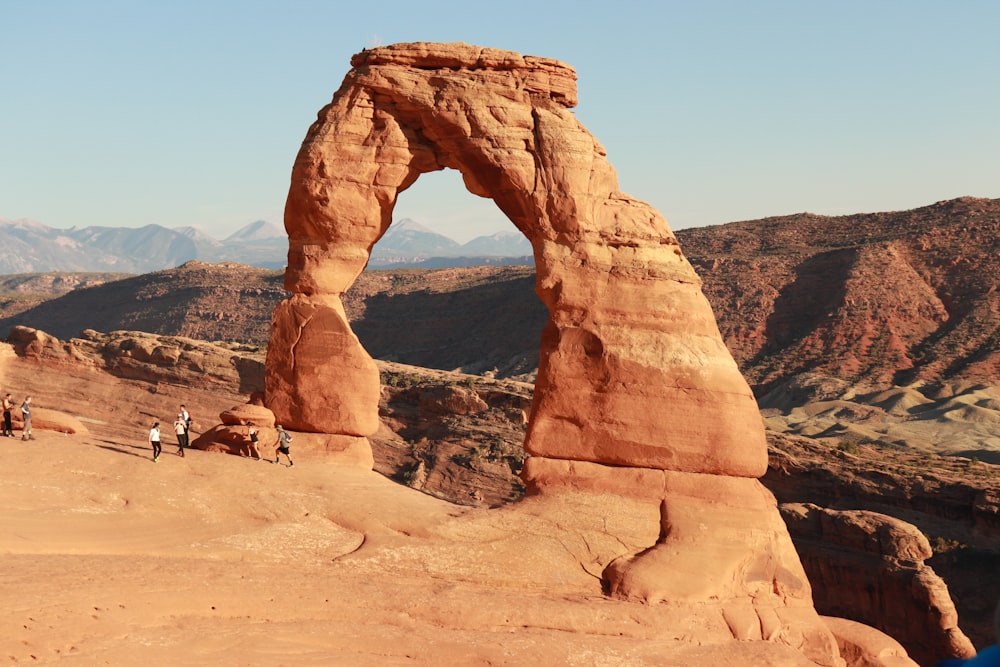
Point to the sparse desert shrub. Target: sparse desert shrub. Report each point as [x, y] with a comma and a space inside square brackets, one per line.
[496, 451]
[942, 545]
[848, 447]
[400, 380]
[415, 475]
[517, 491]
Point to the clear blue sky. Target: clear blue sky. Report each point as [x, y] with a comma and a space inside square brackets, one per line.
[179, 112]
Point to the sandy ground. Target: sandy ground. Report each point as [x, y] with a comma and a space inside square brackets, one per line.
[112, 559]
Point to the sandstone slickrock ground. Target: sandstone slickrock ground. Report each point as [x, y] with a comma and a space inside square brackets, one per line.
[111, 558]
[460, 461]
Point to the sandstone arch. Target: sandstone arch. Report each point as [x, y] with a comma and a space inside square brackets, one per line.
[637, 396]
[633, 371]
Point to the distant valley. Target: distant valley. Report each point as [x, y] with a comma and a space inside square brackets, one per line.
[876, 299]
[868, 300]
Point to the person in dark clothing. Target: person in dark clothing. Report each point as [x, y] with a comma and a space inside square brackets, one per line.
[180, 430]
[254, 446]
[8, 426]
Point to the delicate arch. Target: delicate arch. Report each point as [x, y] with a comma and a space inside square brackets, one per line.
[633, 371]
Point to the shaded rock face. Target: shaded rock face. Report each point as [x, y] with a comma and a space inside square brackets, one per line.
[632, 368]
[869, 567]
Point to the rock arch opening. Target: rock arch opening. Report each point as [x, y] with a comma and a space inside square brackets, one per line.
[471, 305]
[636, 394]
[632, 369]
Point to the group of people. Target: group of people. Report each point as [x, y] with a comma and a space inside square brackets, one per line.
[8, 425]
[283, 445]
[182, 429]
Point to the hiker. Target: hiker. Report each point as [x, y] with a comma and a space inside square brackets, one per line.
[180, 429]
[254, 448]
[284, 440]
[154, 441]
[186, 416]
[26, 433]
[8, 426]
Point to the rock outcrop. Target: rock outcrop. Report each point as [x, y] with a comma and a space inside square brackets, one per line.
[636, 393]
[628, 326]
[869, 567]
[147, 357]
[232, 436]
[46, 419]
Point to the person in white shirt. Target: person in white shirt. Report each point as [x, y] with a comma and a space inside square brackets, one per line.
[154, 441]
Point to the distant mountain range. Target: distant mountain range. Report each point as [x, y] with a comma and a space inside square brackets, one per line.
[32, 247]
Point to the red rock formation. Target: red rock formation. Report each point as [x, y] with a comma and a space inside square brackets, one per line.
[869, 567]
[633, 371]
[233, 437]
[863, 646]
[146, 357]
[636, 393]
[44, 419]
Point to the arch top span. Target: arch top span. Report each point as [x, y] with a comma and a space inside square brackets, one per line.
[542, 76]
[633, 371]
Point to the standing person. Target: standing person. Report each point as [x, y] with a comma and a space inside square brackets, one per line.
[254, 441]
[180, 428]
[154, 441]
[283, 447]
[8, 405]
[26, 433]
[186, 416]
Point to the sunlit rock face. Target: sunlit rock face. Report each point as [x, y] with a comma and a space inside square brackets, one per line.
[633, 370]
[636, 396]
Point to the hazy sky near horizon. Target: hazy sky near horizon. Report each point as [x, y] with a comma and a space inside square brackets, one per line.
[190, 112]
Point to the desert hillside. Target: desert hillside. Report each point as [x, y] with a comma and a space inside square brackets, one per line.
[878, 299]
